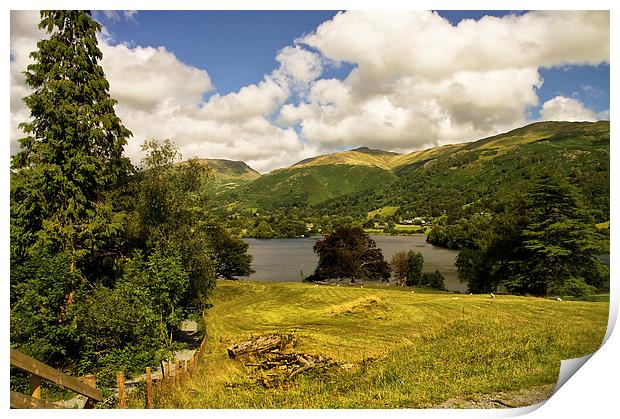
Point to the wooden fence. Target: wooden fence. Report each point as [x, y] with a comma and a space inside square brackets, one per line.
[172, 373]
[38, 372]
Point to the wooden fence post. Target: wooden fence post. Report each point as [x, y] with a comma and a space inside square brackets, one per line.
[120, 382]
[35, 386]
[167, 371]
[149, 389]
[177, 372]
[90, 380]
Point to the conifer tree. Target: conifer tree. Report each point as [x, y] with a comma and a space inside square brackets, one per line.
[560, 239]
[72, 152]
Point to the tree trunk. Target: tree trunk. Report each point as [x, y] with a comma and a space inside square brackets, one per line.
[261, 344]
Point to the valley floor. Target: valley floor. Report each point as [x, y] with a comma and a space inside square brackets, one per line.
[388, 347]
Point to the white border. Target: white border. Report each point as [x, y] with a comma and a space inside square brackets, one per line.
[592, 392]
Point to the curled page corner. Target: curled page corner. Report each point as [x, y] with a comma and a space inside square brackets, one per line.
[568, 367]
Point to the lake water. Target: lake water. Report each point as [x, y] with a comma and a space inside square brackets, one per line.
[285, 259]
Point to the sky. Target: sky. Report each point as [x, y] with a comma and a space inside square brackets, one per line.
[274, 87]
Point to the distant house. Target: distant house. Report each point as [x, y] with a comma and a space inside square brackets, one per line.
[416, 221]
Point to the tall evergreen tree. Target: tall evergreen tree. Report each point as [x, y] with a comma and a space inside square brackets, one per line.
[560, 239]
[72, 152]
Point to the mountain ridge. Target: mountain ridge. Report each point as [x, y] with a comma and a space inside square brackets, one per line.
[327, 178]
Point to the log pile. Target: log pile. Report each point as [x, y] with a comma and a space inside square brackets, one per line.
[275, 367]
[261, 344]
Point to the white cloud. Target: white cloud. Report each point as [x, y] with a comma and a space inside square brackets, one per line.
[146, 77]
[24, 37]
[299, 66]
[390, 44]
[562, 108]
[417, 81]
[118, 15]
[162, 97]
[260, 99]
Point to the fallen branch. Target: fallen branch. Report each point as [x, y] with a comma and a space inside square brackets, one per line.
[261, 344]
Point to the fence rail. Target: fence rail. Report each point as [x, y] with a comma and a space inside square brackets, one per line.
[172, 375]
[38, 371]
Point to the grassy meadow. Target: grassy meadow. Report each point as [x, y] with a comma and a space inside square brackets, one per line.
[395, 348]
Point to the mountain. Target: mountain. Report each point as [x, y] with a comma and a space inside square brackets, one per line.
[362, 156]
[431, 181]
[486, 171]
[228, 174]
[308, 185]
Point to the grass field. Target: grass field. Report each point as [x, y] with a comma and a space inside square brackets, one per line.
[396, 348]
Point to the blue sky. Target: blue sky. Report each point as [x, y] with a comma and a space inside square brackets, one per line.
[238, 48]
[275, 87]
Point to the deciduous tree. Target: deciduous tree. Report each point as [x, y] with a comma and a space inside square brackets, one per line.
[348, 252]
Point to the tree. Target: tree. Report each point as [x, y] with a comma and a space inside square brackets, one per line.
[415, 263]
[399, 265]
[166, 213]
[72, 152]
[560, 241]
[231, 253]
[433, 280]
[63, 223]
[544, 241]
[262, 231]
[348, 252]
[42, 317]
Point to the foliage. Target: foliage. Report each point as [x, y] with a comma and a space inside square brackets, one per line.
[231, 255]
[463, 185]
[415, 262]
[575, 287]
[166, 211]
[399, 265]
[546, 238]
[348, 252]
[434, 280]
[72, 153]
[560, 239]
[262, 231]
[105, 262]
[63, 225]
[43, 290]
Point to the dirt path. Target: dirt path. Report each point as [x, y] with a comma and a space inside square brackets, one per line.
[517, 398]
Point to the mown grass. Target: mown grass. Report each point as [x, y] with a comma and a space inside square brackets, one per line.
[398, 348]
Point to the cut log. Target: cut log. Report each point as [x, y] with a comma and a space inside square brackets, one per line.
[261, 344]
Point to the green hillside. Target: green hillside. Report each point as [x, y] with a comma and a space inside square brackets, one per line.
[228, 174]
[441, 180]
[362, 156]
[483, 172]
[299, 186]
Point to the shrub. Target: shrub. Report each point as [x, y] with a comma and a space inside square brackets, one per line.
[433, 280]
[415, 262]
[575, 287]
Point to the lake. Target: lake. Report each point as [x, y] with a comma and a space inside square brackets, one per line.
[286, 259]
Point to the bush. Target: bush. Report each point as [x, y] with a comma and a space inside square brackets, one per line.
[575, 287]
[433, 280]
[415, 262]
[42, 301]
